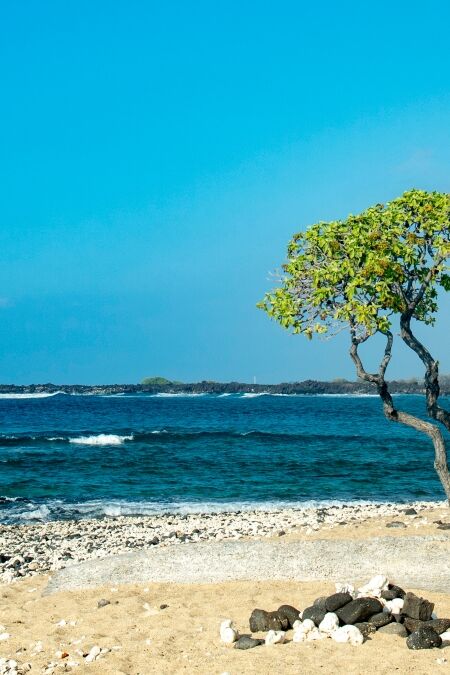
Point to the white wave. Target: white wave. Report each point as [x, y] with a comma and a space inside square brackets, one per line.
[101, 439]
[254, 394]
[35, 395]
[225, 394]
[164, 394]
[162, 431]
[40, 513]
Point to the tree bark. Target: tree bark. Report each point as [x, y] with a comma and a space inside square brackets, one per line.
[391, 413]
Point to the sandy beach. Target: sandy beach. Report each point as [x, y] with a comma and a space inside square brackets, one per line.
[172, 627]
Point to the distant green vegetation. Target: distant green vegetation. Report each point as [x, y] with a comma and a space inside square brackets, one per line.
[156, 381]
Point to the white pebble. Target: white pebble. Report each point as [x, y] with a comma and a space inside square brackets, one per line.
[308, 625]
[95, 651]
[374, 586]
[350, 634]
[394, 606]
[228, 634]
[345, 588]
[275, 637]
[4, 636]
[329, 623]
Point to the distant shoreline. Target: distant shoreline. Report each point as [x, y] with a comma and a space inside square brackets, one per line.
[207, 387]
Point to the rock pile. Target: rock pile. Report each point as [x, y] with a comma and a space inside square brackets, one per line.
[349, 616]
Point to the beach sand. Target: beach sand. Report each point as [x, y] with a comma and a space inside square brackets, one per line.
[184, 638]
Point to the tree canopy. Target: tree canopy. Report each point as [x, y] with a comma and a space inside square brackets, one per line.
[389, 259]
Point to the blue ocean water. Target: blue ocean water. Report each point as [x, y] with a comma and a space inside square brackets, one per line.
[65, 456]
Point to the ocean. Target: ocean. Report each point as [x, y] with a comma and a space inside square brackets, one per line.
[64, 456]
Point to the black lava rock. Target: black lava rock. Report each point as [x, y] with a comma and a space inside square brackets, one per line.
[360, 609]
[396, 523]
[424, 638]
[321, 602]
[394, 629]
[438, 625]
[393, 592]
[163, 606]
[103, 603]
[289, 613]
[336, 601]
[247, 642]
[444, 526]
[410, 512]
[316, 614]
[261, 620]
[417, 608]
[381, 619]
[366, 628]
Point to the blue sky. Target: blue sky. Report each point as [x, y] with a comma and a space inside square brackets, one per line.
[157, 157]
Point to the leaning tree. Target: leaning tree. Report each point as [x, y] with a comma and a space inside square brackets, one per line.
[365, 272]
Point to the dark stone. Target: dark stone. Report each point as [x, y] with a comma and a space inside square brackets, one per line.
[336, 601]
[289, 613]
[163, 606]
[394, 629]
[247, 642]
[381, 619]
[321, 602]
[261, 620]
[103, 603]
[396, 523]
[424, 638]
[281, 533]
[417, 608]
[444, 526]
[366, 628]
[359, 610]
[154, 541]
[438, 625]
[410, 512]
[393, 592]
[315, 613]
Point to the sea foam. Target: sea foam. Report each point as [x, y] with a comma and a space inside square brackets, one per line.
[101, 439]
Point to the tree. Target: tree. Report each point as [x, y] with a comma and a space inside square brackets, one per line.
[363, 273]
[156, 381]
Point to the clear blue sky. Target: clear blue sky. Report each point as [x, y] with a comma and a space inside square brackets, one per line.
[157, 156]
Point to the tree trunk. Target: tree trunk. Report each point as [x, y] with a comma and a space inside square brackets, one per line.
[432, 389]
[391, 413]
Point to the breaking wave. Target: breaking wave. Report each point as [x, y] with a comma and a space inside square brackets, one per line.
[101, 439]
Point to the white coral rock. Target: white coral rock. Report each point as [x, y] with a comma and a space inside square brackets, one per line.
[445, 637]
[345, 588]
[308, 625]
[329, 623]
[228, 634]
[93, 654]
[374, 586]
[315, 635]
[299, 636]
[394, 606]
[306, 631]
[350, 634]
[275, 637]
